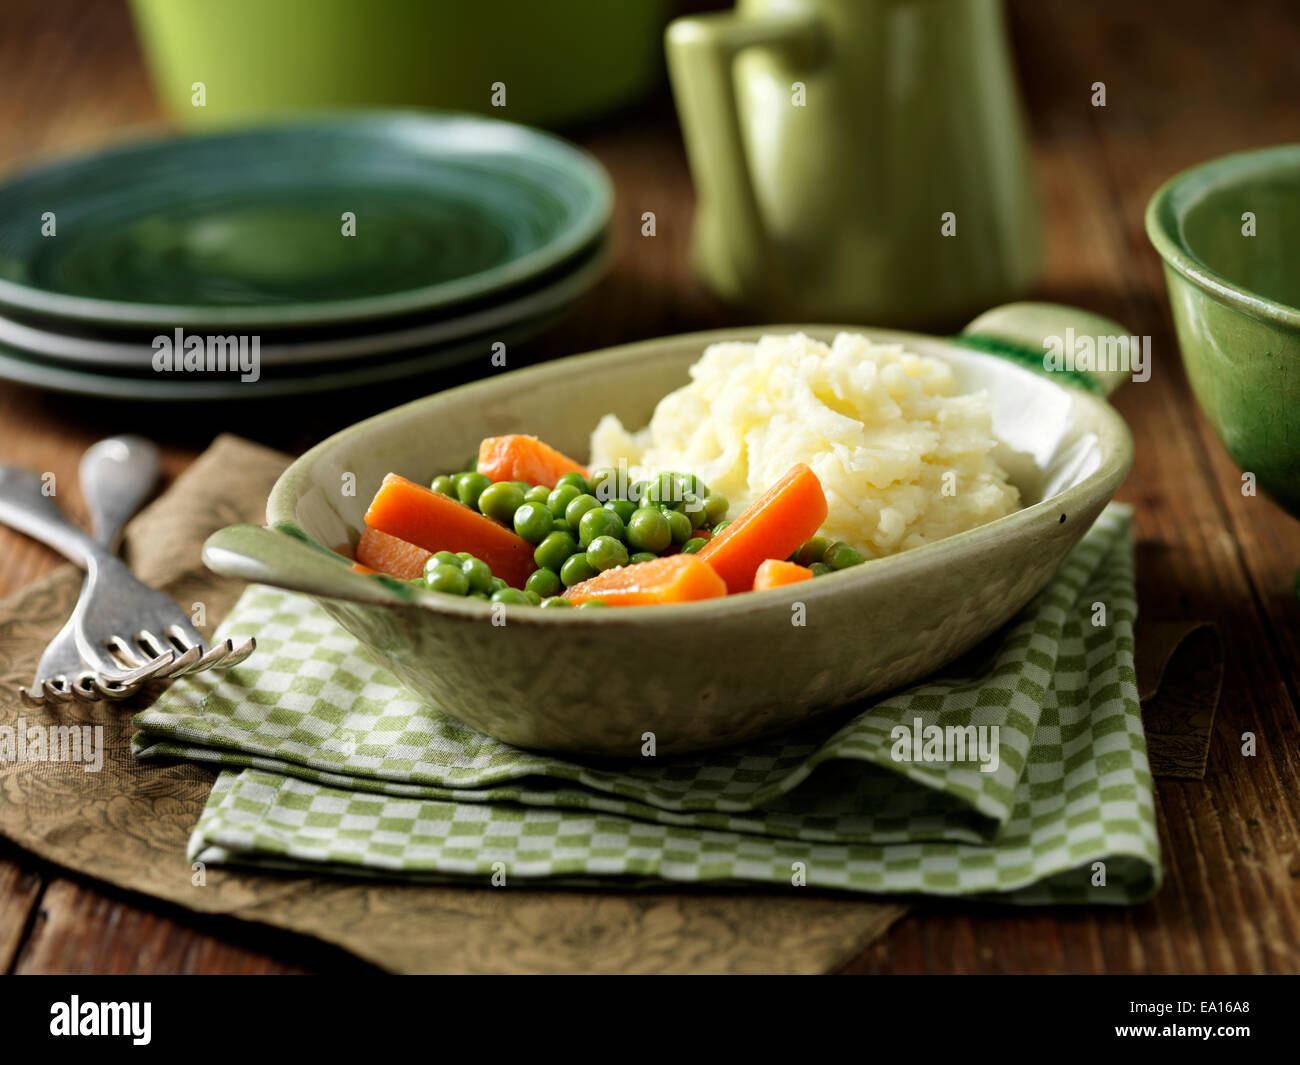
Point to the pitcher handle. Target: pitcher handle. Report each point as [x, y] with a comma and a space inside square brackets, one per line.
[701, 52]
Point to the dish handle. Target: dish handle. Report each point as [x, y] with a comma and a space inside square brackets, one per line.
[1095, 352]
[285, 557]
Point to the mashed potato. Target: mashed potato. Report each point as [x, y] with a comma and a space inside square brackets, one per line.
[903, 457]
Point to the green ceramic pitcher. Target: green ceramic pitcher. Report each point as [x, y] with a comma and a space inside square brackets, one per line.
[857, 159]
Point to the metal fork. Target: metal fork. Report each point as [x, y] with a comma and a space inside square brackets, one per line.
[116, 477]
[122, 632]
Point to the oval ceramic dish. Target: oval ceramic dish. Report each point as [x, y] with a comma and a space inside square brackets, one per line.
[704, 674]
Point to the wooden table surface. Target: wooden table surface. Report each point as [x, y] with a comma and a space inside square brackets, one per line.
[1185, 80]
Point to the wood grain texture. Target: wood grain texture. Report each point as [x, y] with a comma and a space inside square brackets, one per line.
[21, 884]
[1186, 79]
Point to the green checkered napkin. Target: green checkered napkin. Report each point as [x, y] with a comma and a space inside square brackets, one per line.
[335, 767]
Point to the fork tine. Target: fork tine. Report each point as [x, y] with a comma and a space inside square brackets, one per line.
[202, 659]
[186, 635]
[140, 673]
[33, 700]
[83, 688]
[179, 665]
[151, 644]
[55, 691]
[129, 656]
[238, 654]
[112, 690]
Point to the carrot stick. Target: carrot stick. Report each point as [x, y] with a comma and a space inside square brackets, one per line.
[437, 522]
[777, 572]
[672, 579]
[776, 523]
[524, 458]
[379, 552]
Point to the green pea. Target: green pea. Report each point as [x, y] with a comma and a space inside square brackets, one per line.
[523, 486]
[560, 525]
[578, 507]
[693, 544]
[577, 480]
[593, 603]
[813, 551]
[533, 597]
[446, 557]
[544, 582]
[444, 578]
[665, 490]
[532, 522]
[715, 508]
[720, 526]
[470, 487]
[606, 552]
[555, 600]
[444, 485]
[841, 556]
[688, 482]
[552, 551]
[642, 556]
[598, 522]
[604, 483]
[624, 508]
[820, 569]
[500, 501]
[512, 596]
[561, 497]
[479, 595]
[478, 573]
[648, 530]
[537, 494]
[679, 525]
[497, 584]
[576, 569]
[636, 491]
[694, 509]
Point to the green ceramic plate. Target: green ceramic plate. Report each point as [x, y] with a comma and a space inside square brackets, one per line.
[246, 228]
[29, 369]
[702, 674]
[101, 351]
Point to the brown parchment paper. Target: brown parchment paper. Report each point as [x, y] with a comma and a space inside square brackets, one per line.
[1179, 668]
[128, 823]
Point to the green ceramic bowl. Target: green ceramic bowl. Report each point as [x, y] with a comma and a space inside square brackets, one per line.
[698, 675]
[560, 62]
[1228, 231]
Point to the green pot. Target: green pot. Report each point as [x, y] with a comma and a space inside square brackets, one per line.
[697, 675]
[1235, 299]
[260, 57]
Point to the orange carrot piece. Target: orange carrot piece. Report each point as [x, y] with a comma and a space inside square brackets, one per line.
[773, 526]
[379, 552]
[672, 579]
[437, 522]
[777, 572]
[524, 458]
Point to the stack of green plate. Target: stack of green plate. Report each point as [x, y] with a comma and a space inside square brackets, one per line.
[346, 251]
